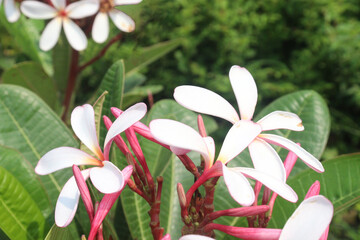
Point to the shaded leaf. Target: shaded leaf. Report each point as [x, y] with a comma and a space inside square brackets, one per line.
[57, 233]
[137, 94]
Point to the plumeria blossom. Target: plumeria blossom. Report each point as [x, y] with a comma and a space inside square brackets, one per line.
[244, 131]
[105, 176]
[61, 15]
[181, 136]
[12, 11]
[100, 30]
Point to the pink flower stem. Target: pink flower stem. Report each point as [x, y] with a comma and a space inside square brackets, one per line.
[73, 73]
[201, 126]
[154, 213]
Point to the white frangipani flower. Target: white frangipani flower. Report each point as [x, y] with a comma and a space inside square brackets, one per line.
[244, 131]
[12, 11]
[179, 135]
[105, 176]
[61, 15]
[100, 30]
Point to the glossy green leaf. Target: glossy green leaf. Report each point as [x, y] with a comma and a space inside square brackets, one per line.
[57, 233]
[133, 80]
[311, 108]
[162, 162]
[26, 35]
[20, 217]
[149, 55]
[113, 83]
[137, 94]
[340, 183]
[18, 166]
[33, 129]
[31, 75]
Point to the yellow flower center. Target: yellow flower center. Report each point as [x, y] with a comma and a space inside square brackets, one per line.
[106, 5]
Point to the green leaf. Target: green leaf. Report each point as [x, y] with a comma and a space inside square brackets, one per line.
[18, 166]
[113, 83]
[32, 76]
[137, 94]
[20, 217]
[340, 183]
[57, 233]
[61, 56]
[162, 162]
[133, 80]
[311, 108]
[149, 55]
[26, 34]
[33, 129]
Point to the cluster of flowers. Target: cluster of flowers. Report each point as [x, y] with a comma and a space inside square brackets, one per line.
[69, 16]
[311, 219]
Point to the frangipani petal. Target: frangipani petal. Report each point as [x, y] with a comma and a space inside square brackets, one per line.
[107, 179]
[37, 10]
[100, 29]
[240, 135]
[12, 12]
[266, 159]
[124, 121]
[51, 34]
[68, 200]
[74, 35]
[83, 125]
[195, 237]
[275, 184]
[126, 2]
[179, 135]
[309, 220]
[64, 157]
[245, 91]
[82, 9]
[59, 4]
[238, 186]
[209, 141]
[308, 159]
[281, 120]
[205, 101]
[122, 21]
[179, 151]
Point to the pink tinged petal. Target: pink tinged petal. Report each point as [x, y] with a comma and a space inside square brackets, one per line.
[310, 219]
[83, 125]
[179, 151]
[313, 190]
[281, 120]
[209, 141]
[245, 91]
[64, 157]
[195, 237]
[240, 135]
[84, 191]
[122, 21]
[74, 35]
[166, 237]
[238, 186]
[100, 29]
[37, 10]
[59, 4]
[308, 159]
[106, 203]
[51, 34]
[126, 2]
[205, 101]
[179, 135]
[107, 179]
[12, 12]
[266, 159]
[68, 200]
[82, 9]
[324, 236]
[275, 184]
